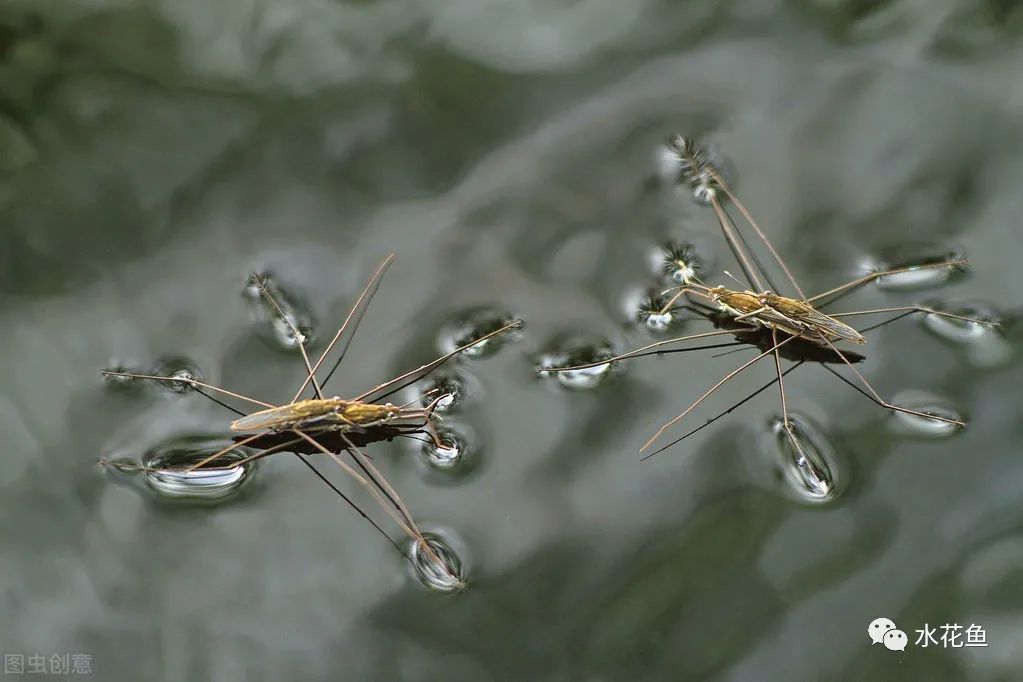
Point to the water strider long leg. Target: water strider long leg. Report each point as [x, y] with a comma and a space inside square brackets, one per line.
[434, 364]
[786, 424]
[711, 390]
[733, 237]
[378, 479]
[678, 294]
[181, 380]
[261, 454]
[356, 313]
[299, 338]
[218, 453]
[634, 353]
[910, 309]
[362, 481]
[721, 414]
[347, 499]
[843, 289]
[756, 228]
[881, 401]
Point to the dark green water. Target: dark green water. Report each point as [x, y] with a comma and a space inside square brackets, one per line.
[152, 154]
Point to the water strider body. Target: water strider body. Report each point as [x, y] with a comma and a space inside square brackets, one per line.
[329, 414]
[790, 315]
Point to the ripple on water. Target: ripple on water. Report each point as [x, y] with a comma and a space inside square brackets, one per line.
[164, 470]
[922, 401]
[441, 570]
[279, 321]
[473, 324]
[807, 460]
[576, 350]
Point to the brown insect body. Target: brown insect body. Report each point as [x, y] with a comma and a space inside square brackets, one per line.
[810, 318]
[333, 412]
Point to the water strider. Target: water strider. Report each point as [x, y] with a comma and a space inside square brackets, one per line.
[783, 320]
[330, 425]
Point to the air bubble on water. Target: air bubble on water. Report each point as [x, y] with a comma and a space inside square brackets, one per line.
[443, 570]
[283, 323]
[474, 324]
[922, 272]
[928, 403]
[178, 368]
[454, 452]
[646, 307]
[809, 469]
[164, 470]
[572, 351]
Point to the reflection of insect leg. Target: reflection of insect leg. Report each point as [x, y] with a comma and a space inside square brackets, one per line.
[711, 390]
[909, 309]
[883, 403]
[632, 353]
[843, 289]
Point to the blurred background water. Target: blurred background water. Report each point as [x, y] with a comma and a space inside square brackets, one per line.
[152, 154]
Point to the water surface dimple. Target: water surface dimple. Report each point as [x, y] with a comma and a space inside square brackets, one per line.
[441, 570]
[985, 344]
[165, 470]
[805, 458]
[178, 368]
[455, 452]
[474, 324]
[921, 271]
[589, 355]
[282, 315]
[449, 389]
[921, 401]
